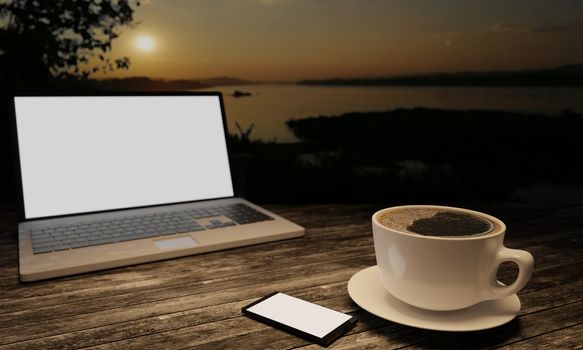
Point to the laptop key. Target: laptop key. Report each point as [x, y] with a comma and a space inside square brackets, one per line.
[167, 232]
[36, 240]
[42, 250]
[142, 233]
[145, 235]
[138, 227]
[182, 229]
[79, 244]
[98, 241]
[40, 234]
[44, 244]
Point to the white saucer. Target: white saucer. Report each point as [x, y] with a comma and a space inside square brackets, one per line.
[366, 289]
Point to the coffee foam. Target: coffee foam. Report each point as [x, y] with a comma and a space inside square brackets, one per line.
[400, 219]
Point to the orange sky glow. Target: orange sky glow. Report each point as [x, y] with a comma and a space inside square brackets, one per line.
[282, 40]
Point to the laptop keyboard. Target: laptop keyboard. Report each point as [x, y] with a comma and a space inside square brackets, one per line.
[81, 235]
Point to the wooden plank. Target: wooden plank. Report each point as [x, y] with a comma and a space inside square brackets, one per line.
[394, 336]
[566, 338]
[225, 330]
[169, 321]
[35, 316]
[369, 322]
[531, 304]
[283, 281]
[318, 219]
[195, 301]
[24, 315]
[68, 298]
[339, 301]
[185, 271]
[526, 326]
[142, 272]
[231, 261]
[270, 338]
[176, 282]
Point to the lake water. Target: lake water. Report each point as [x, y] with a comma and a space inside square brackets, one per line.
[272, 105]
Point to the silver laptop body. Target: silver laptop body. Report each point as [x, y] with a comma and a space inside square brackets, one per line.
[121, 179]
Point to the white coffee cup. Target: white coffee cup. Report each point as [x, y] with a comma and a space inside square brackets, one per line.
[446, 273]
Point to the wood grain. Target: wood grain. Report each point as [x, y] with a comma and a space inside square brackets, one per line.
[195, 302]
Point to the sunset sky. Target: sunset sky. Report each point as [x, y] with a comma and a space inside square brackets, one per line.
[272, 40]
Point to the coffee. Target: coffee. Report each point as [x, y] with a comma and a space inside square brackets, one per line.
[436, 222]
[443, 258]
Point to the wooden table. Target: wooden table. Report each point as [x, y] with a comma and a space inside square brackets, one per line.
[195, 302]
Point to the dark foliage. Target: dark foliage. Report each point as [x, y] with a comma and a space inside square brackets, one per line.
[416, 155]
[144, 84]
[42, 40]
[570, 75]
[49, 45]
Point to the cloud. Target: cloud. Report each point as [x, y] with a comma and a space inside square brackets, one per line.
[269, 2]
[452, 34]
[509, 27]
[529, 28]
[551, 29]
[450, 38]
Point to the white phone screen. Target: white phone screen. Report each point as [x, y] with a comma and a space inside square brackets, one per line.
[300, 314]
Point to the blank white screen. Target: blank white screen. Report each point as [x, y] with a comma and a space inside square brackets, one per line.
[83, 154]
[300, 314]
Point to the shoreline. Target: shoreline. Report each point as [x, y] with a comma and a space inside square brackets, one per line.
[418, 155]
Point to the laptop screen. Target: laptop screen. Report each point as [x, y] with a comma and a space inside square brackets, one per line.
[91, 153]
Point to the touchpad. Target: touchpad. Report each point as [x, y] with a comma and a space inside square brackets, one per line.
[176, 243]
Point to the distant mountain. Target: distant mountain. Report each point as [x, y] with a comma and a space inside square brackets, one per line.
[224, 81]
[149, 84]
[569, 75]
[144, 84]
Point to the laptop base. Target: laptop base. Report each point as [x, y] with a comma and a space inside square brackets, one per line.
[34, 267]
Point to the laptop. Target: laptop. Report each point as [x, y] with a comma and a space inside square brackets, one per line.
[121, 179]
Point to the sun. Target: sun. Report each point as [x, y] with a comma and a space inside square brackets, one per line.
[145, 43]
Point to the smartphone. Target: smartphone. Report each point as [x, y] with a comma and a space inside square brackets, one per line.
[310, 321]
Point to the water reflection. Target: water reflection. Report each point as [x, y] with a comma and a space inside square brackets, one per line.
[271, 105]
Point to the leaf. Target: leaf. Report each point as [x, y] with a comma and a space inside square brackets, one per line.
[57, 38]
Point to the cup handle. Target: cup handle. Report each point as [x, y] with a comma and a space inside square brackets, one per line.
[525, 263]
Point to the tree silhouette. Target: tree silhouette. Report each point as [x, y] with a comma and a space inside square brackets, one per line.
[44, 40]
[44, 44]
